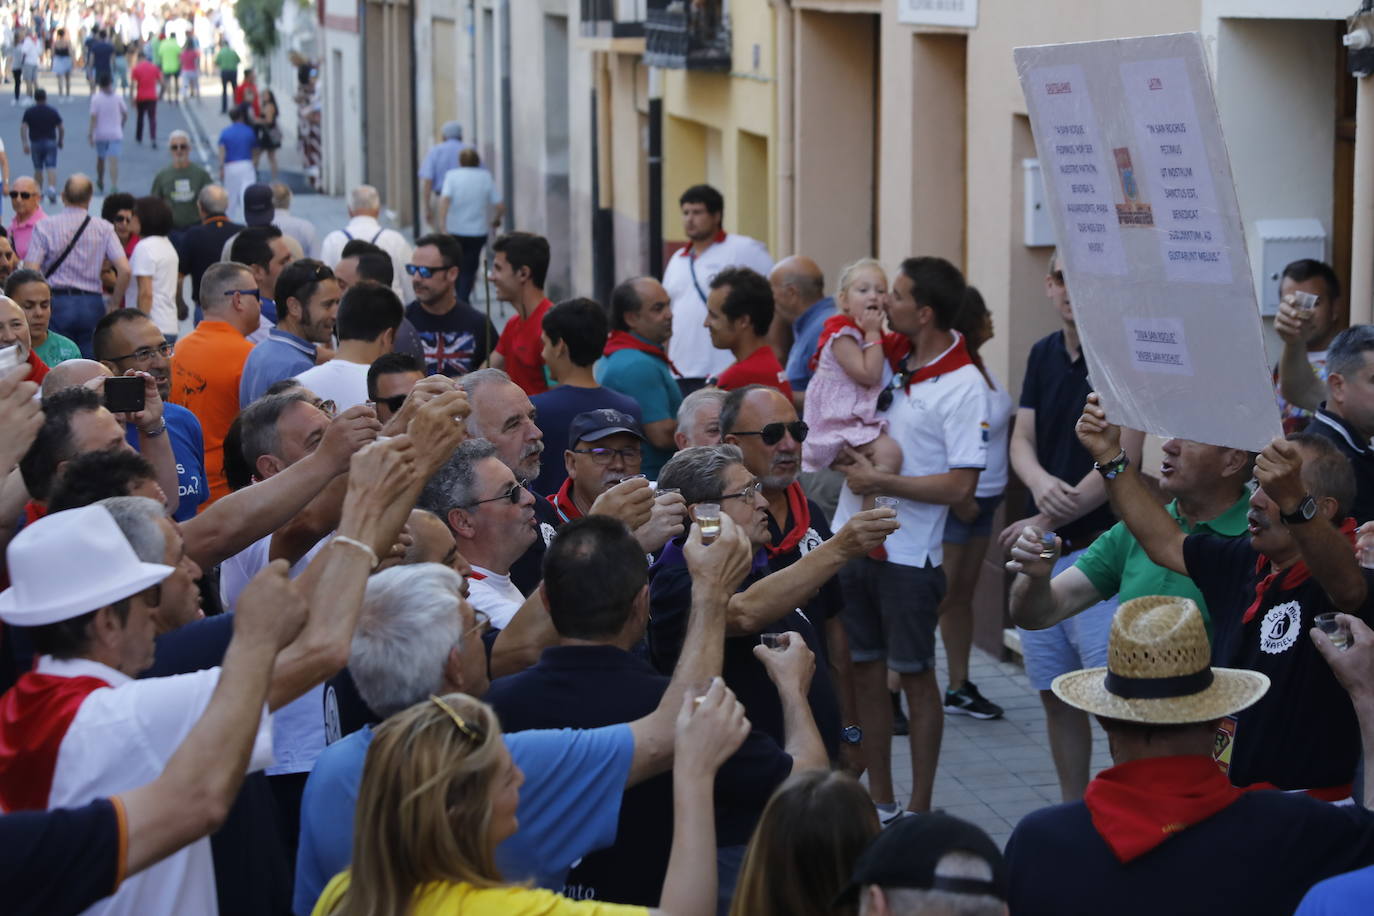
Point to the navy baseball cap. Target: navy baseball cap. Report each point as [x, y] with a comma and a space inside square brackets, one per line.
[598, 424]
[907, 852]
[257, 205]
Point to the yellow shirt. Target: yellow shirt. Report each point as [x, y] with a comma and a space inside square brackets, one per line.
[441, 898]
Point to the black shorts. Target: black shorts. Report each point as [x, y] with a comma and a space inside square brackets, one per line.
[891, 611]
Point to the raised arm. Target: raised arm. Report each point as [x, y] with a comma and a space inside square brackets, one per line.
[21, 417]
[1037, 601]
[1298, 384]
[1151, 525]
[790, 669]
[193, 795]
[1353, 665]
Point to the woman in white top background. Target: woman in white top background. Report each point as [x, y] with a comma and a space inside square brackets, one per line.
[154, 267]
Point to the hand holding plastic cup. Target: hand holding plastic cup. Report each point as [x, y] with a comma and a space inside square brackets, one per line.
[1307, 302]
[885, 502]
[707, 516]
[773, 640]
[1336, 631]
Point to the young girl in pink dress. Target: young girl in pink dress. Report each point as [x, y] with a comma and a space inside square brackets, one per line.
[853, 364]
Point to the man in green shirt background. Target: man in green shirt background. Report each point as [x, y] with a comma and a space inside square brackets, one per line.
[169, 58]
[227, 60]
[179, 183]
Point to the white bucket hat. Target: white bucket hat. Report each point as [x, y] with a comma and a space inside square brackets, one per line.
[71, 563]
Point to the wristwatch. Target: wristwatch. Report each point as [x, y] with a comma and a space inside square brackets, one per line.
[1306, 511]
[155, 431]
[1114, 467]
[852, 734]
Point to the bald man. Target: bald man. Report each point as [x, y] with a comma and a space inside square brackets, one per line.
[799, 298]
[73, 372]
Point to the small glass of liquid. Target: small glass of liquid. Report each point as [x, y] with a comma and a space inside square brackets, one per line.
[707, 516]
[1047, 545]
[1337, 632]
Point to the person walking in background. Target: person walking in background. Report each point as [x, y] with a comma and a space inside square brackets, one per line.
[308, 120]
[147, 77]
[62, 62]
[106, 134]
[236, 171]
[190, 67]
[180, 183]
[441, 157]
[227, 62]
[43, 133]
[469, 202]
[169, 58]
[268, 133]
[119, 62]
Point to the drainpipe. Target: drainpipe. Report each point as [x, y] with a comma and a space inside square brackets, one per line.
[787, 99]
[603, 189]
[507, 131]
[655, 172]
[416, 215]
[1360, 39]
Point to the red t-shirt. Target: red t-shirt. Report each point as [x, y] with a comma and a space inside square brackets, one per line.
[520, 347]
[758, 368]
[248, 92]
[147, 76]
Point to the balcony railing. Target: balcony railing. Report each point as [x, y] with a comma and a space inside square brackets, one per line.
[687, 35]
[613, 18]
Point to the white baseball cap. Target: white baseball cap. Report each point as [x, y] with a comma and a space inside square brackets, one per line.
[71, 563]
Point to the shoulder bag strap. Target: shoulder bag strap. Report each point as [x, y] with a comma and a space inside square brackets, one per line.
[68, 250]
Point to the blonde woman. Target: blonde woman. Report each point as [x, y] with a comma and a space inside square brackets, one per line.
[440, 791]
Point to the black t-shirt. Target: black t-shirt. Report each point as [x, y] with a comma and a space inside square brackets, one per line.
[200, 246]
[252, 873]
[670, 601]
[102, 52]
[1302, 734]
[1056, 390]
[594, 686]
[60, 861]
[43, 121]
[1257, 856]
[829, 600]
[456, 342]
[527, 572]
[1361, 458]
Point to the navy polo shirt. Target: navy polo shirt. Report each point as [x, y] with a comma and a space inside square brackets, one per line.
[527, 572]
[1257, 856]
[670, 600]
[555, 410]
[593, 686]
[1302, 734]
[1357, 450]
[59, 861]
[1056, 389]
[188, 448]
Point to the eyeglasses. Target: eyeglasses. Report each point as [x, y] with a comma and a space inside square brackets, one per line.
[22, 195]
[393, 403]
[748, 493]
[511, 495]
[481, 623]
[471, 732]
[419, 270]
[245, 292]
[771, 433]
[176, 146]
[145, 354]
[328, 408]
[123, 218]
[605, 455]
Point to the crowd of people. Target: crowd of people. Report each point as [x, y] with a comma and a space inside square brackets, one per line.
[346, 601]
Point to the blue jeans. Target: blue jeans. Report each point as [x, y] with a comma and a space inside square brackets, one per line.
[75, 315]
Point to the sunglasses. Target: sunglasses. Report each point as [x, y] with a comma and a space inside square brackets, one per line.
[419, 270]
[177, 146]
[771, 433]
[393, 403]
[511, 495]
[245, 292]
[22, 195]
[885, 396]
[123, 218]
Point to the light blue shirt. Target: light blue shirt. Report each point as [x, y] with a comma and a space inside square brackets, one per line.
[1352, 892]
[569, 805]
[471, 193]
[282, 355]
[806, 333]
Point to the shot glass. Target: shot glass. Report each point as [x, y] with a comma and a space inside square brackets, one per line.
[773, 640]
[1337, 632]
[885, 502]
[1305, 301]
[698, 690]
[1047, 545]
[707, 515]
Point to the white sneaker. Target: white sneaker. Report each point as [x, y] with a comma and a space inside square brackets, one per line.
[888, 813]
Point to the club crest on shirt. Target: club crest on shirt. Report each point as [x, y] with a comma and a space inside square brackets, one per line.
[1280, 627]
[547, 532]
[809, 542]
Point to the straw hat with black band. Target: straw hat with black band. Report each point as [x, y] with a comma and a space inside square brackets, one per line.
[1158, 670]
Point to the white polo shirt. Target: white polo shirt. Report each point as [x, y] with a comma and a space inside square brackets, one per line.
[690, 346]
[122, 738]
[941, 424]
[494, 595]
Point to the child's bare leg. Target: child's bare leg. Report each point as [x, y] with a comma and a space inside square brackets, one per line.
[886, 456]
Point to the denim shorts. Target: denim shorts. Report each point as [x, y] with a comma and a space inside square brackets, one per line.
[1070, 645]
[957, 532]
[891, 612]
[107, 148]
[44, 153]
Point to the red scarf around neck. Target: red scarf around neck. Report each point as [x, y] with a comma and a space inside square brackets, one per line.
[1292, 577]
[34, 717]
[956, 357]
[563, 502]
[800, 511]
[1138, 805]
[895, 346]
[624, 340]
[37, 368]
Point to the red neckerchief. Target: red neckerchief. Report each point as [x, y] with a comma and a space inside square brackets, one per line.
[715, 240]
[33, 511]
[1293, 576]
[34, 717]
[37, 368]
[800, 511]
[624, 340]
[1138, 805]
[474, 574]
[895, 346]
[563, 502]
[956, 357]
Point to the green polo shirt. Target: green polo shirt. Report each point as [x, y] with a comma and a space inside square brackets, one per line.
[1116, 564]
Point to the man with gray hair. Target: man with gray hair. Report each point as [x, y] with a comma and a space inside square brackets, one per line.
[181, 182]
[364, 209]
[698, 418]
[493, 522]
[302, 230]
[1346, 417]
[441, 157]
[200, 246]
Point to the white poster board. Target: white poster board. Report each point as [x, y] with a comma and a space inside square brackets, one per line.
[1140, 192]
[958, 13]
